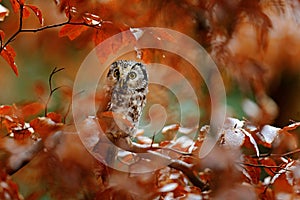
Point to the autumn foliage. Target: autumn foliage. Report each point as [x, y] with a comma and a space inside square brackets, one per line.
[254, 44]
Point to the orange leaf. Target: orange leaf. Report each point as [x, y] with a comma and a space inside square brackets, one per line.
[26, 13]
[21, 134]
[37, 12]
[32, 109]
[281, 184]
[252, 171]
[54, 117]
[39, 88]
[5, 110]
[91, 19]
[2, 35]
[15, 5]
[45, 126]
[72, 31]
[9, 54]
[102, 34]
[291, 127]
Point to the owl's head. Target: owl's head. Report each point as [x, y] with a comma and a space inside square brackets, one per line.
[125, 75]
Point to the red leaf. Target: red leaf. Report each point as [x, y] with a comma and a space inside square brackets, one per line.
[72, 31]
[15, 5]
[251, 172]
[5, 110]
[32, 109]
[2, 35]
[9, 54]
[4, 12]
[291, 127]
[45, 126]
[37, 12]
[91, 19]
[54, 117]
[281, 184]
[26, 12]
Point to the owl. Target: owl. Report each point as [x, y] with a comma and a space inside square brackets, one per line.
[126, 90]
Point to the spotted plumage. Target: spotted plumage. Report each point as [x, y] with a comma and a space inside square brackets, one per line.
[126, 90]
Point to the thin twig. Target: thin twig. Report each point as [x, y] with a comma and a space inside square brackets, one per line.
[69, 107]
[261, 166]
[54, 71]
[21, 30]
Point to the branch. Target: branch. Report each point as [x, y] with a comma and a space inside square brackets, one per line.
[185, 168]
[290, 153]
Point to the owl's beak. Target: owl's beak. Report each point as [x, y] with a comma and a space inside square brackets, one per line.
[121, 83]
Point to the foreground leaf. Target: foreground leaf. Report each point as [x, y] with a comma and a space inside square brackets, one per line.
[9, 54]
[15, 5]
[37, 12]
[72, 31]
[4, 12]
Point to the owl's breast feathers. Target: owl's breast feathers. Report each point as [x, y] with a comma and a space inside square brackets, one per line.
[128, 103]
[126, 89]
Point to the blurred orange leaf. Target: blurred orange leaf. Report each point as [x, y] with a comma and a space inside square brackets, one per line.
[2, 35]
[291, 127]
[45, 126]
[72, 31]
[15, 5]
[5, 110]
[54, 117]
[32, 109]
[9, 54]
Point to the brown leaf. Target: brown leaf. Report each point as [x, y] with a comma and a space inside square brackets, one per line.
[37, 12]
[9, 54]
[252, 171]
[72, 31]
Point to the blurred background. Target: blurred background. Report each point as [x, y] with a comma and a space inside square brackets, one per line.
[254, 43]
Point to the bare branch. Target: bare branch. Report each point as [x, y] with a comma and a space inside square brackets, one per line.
[54, 71]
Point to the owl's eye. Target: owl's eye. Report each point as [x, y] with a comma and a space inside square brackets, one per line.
[132, 75]
[116, 73]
